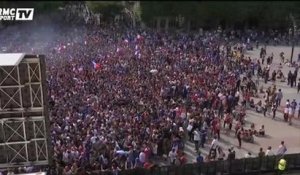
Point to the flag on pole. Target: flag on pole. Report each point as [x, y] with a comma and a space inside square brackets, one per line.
[96, 65]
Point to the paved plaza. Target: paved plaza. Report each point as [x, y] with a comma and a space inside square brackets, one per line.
[276, 130]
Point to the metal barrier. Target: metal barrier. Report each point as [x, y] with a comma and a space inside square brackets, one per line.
[234, 167]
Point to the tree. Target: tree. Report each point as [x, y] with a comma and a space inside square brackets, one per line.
[210, 14]
[108, 9]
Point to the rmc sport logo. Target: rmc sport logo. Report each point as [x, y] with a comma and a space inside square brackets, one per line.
[16, 14]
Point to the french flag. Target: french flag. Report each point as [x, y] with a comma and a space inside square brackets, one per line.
[96, 65]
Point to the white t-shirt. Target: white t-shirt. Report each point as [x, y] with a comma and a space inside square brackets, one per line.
[196, 135]
[214, 144]
[290, 110]
[66, 157]
[248, 155]
[269, 152]
[93, 139]
[172, 155]
[142, 157]
[286, 110]
[281, 150]
[154, 149]
[237, 94]
[190, 127]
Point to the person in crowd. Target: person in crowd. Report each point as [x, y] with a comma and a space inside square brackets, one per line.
[239, 136]
[298, 87]
[278, 97]
[172, 156]
[281, 166]
[258, 106]
[261, 153]
[248, 155]
[281, 149]
[214, 145]
[252, 104]
[269, 151]
[231, 154]
[182, 158]
[197, 139]
[120, 98]
[221, 154]
[294, 107]
[290, 77]
[265, 107]
[286, 111]
[274, 108]
[261, 131]
[299, 110]
[199, 158]
[290, 113]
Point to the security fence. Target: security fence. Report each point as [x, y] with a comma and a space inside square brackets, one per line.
[234, 167]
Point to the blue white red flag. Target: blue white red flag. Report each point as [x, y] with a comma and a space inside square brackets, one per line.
[96, 65]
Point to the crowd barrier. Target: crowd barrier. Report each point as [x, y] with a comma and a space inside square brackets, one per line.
[235, 167]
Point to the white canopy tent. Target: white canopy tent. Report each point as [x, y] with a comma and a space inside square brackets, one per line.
[11, 59]
[38, 173]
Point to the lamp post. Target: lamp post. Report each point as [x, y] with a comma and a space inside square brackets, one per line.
[219, 32]
[292, 35]
[219, 35]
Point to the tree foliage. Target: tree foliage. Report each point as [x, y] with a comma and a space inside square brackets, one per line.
[108, 9]
[39, 6]
[235, 14]
[206, 14]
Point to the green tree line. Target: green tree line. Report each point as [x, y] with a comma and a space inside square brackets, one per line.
[206, 14]
[234, 14]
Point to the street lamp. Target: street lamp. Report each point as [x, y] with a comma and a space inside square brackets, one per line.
[219, 35]
[219, 31]
[292, 35]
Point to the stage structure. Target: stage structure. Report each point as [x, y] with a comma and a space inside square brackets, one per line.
[24, 124]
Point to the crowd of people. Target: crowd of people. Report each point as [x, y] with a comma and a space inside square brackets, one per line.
[126, 98]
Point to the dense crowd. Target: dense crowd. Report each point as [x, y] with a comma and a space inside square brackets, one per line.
[121, 99]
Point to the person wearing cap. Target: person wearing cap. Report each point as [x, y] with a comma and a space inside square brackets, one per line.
[281, 166]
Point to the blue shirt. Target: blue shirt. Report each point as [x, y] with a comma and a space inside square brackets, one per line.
[199, 159]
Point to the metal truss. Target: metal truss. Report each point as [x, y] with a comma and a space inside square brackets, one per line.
[35, 85]
[10, 88]
[23, 125]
